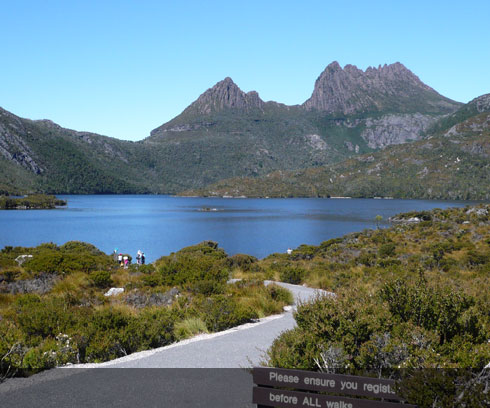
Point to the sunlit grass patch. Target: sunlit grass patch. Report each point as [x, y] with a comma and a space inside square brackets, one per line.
[189, 328]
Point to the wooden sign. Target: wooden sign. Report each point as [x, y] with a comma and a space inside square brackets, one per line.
[271, 397]
[322, 382]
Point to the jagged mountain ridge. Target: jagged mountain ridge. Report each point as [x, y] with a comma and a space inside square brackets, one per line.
[226, 94]
[388, 105]
[270, 136]
[388, 88]
[225, 133]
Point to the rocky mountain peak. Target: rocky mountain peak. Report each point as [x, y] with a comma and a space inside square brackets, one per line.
[225, 94]
[392, 87]
[482, 103]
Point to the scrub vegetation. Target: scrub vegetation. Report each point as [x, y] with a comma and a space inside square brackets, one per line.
[454, 167]
[53, 310]
[34, 202]
[409, 297]
[414, 295]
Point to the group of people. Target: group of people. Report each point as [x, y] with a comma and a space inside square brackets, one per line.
[124, 261]
[140, 258]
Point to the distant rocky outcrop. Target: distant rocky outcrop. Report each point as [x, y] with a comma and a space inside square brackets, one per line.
[482, 103]
[391, 88]
[395, 129]
[41, 284]
[140, 299]
[225, 94]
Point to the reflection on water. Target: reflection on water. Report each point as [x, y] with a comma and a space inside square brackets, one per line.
[159, 225]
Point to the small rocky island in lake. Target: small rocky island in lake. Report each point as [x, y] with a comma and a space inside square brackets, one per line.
[31, 202]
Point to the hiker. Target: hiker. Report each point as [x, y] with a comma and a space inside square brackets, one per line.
[142, 258]
[138, 257]
[114, 255]
[126, 262]
[120, 260]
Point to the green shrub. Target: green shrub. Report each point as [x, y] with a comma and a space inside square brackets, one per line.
[367, 259]
[151, 280]
[389, 262]
[294, 349]
[292, 275]
[146, 269]
[39, 358]
[207, 287]
[280, 294]
[326, 244]
[81, 247]
[405, 324]
[386, 250]
[203, 262]
[220, 313]
[101, 279]
[40, 318]
[10, 273]
[475, 258]
[12, 348]
[243, 261]
[74, 256]
[47, 261]
[304, 252]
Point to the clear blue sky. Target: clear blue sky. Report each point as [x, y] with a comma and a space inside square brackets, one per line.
[122, 68]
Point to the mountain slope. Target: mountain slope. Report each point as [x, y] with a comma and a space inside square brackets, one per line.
[42, 156]
[452, 164]
[226, 133]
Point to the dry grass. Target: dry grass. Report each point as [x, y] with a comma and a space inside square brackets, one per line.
[189, 328]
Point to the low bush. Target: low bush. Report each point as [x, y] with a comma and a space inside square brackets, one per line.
[292, 275]
[387, 250]
[203, 262]
[207, 287]
[403, 325]
[220, 312]
[101, 279]
[243, 261]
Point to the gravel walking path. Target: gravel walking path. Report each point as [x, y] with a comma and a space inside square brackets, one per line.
[206, 371]
[238, 347]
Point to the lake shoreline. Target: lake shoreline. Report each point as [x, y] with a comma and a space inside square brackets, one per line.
[161, 224]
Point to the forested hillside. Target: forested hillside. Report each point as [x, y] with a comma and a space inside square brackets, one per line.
[451, 163]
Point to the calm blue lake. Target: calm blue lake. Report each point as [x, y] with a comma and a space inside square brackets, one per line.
[159, 225]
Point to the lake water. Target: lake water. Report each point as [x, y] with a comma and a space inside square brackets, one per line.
[159, 225]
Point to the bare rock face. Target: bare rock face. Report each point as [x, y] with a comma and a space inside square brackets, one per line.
[316, 142]
[12, 146]
[41, 285]
[225, 94]
[391, 87]
[482, 103]
[476, 124]
[395, 129]
[139, 299]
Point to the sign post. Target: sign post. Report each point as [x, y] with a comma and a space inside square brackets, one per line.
[277, 387]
